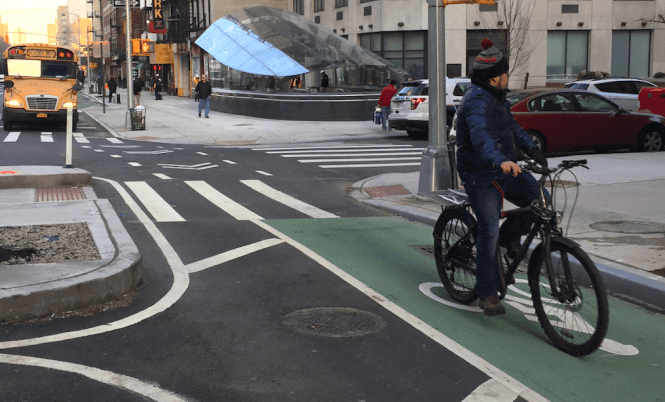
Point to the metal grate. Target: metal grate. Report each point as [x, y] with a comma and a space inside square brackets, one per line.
[334, 322]
[42, 102]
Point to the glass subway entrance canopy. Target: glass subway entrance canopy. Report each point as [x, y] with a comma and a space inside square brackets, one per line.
[269, 41]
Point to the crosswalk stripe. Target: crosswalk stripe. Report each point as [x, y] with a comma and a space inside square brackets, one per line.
[369, 165]
[115, 141]
[350, 155]
[162, 176]
[47, 137]
[226, 204]
[12, 137]
[80, 138]
[160, 210]
[328, 147]
[410, 158]
[135, 164]
[287, 200]
[335, 149]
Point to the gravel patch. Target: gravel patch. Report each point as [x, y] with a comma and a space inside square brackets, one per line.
[46, 243]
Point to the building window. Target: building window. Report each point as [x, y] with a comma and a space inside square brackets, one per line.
[319, 5]
[405, 49]
[368, 10]
[317, 19]
[366, 1]
[567, 52]
[341, 3]
[340, 15]
[299, 7]
[570, 8]
[487, 7]
[631, 53]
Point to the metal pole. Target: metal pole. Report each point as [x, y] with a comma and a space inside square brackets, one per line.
[128, 57]
[68, 142]
[101, 48]
[435, 169]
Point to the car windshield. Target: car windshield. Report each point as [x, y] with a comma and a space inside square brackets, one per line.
[580, 86]
[412, 89]
[514, 97]
[41, 68]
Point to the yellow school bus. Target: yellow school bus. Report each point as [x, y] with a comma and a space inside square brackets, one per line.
[40, 84]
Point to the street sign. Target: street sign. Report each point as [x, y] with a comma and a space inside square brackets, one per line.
[121, 3]
[135, 73]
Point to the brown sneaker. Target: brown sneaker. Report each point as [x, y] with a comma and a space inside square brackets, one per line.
[492, 306]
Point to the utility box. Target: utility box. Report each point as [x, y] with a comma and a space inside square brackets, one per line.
[652, 100]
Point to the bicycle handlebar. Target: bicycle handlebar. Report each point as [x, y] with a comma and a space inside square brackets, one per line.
[532, 167]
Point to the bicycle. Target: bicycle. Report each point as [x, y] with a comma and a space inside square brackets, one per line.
[569, 298]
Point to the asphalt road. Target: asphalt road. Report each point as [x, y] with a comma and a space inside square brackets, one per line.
[264, 234]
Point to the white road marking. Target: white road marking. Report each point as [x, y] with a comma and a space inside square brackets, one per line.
[348, 155]
[202, 153]
[491, 390]
[12, 136]
[114, 140]
[99, 150]
[334, 149]
[47, 137]
[223, 202]
[85, 146]
[409, 158]
[263, 173]
[107, 377]
[473, 359]
[287, 200]
[231, 255]
[154, 203]
[369, 165]
[162, 176]
[85, 128]
[116, 156]
[229, 162]
[329, 147]
[157, 152]
[80, 138]
[190, 168]
[136, 164]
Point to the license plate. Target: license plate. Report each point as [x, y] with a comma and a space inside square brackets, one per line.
[41, 114]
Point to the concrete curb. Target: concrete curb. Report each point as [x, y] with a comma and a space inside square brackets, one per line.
[43, 177]
[109, 280]
[644, 289]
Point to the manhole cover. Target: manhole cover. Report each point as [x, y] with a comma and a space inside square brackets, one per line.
[629, 227]
[334, 321]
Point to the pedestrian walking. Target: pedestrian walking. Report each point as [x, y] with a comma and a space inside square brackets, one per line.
[113, 86]
[158, 88]
[324, 81]
[384, 102]
[204, 89]
[138, 87]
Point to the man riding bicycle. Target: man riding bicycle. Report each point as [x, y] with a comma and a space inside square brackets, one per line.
[487, 140]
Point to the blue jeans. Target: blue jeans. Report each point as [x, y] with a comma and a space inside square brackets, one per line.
[486, 193]
[205, 102]
[385, 112]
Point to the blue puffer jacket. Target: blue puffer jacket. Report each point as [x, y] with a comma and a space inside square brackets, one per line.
[487, 133]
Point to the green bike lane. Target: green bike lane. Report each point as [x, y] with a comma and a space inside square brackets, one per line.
[378, 252]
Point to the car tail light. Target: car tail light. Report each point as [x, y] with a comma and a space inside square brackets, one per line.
[416, 101]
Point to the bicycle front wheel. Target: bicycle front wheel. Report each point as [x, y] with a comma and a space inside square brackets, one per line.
[455, 254]
[576, 320]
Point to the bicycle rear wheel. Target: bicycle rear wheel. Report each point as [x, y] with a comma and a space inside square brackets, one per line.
[455, 259]
[577, 321]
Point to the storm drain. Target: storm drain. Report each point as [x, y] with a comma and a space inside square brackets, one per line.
[335, 322]
[425, 250]
[636, 227]
[560, 183]
[59, 194]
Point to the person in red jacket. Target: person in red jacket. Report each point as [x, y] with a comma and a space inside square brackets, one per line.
[384, 101]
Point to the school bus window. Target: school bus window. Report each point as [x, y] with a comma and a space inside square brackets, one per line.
[55, 69]
[24, 68]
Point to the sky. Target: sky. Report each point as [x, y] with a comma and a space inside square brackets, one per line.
[32, 16]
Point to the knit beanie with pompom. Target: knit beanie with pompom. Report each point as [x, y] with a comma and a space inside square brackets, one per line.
[490, 62]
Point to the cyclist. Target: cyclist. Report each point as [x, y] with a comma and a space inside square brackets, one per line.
[487, 141]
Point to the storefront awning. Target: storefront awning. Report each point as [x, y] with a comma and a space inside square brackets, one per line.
[236, 46]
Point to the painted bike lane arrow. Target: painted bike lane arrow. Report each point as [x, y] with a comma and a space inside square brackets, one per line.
[379, 252]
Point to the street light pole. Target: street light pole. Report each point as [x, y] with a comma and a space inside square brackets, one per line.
[128, 56]
[435, 170]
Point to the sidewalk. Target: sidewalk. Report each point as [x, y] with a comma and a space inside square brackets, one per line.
[175, 120]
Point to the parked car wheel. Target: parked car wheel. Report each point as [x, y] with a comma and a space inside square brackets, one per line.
[650, 141]
[417, 134]
[538, 139]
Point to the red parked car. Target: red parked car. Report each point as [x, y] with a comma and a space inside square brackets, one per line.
[574, 120]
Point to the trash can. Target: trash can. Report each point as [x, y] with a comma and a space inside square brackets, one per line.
[138, 118]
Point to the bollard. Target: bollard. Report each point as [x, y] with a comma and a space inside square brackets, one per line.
[68, 144]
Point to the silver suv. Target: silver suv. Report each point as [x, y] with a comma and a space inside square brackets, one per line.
[622, 91]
